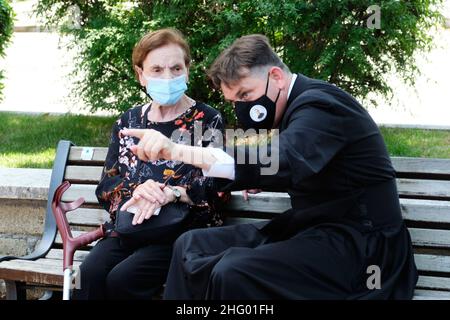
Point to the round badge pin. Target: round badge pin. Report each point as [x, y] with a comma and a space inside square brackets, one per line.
[258, 113]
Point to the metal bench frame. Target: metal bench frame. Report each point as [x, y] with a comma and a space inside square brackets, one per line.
[14, 289]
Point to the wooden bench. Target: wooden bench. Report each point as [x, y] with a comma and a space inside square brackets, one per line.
[424, 188]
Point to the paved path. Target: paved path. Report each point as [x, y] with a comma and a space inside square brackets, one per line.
[428, 103]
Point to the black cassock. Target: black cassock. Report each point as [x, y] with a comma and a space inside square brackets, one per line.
[345, 224]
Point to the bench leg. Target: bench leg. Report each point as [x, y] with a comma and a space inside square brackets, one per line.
[11, 290]
[15, 290]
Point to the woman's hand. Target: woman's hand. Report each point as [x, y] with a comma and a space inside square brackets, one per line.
[147, 198]
[143, 209]
[153, 145]
[151, 191]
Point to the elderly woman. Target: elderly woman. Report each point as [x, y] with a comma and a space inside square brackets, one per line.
[115, 269]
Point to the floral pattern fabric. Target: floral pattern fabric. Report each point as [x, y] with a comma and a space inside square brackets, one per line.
[124, 171]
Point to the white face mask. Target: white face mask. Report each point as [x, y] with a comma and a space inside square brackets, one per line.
[166, 92]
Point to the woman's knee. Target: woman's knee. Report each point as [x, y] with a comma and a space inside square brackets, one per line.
[92, 271]
[116, 282]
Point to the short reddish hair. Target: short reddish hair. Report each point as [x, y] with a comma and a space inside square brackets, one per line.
[157, 39]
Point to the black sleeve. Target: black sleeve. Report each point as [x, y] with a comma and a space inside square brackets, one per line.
[311, 139]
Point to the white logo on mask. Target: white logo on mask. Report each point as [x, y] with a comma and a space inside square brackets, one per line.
[258, 113]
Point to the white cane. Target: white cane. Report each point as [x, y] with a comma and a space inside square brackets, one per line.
[67, 283]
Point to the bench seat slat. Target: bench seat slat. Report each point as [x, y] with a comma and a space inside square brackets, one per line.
[54, 262]
[42, 271]
[433, 283]
[424, 188]
[430, 237]
[425, 210]
[431, 295]
[57, 254]
[432, 263]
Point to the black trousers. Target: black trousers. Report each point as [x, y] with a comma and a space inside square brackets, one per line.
[113, 271]
[327, 261]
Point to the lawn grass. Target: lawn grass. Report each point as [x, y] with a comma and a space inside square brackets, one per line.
[29, 141]
[417, 142]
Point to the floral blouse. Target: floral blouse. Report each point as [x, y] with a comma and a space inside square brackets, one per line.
[124, 171]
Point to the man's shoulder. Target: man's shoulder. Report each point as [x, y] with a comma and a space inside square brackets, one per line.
[323, 95]
[324, 101]
[308, 89]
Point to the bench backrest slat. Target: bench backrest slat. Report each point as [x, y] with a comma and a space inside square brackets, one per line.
[421, 166]
[83, 174]
[99, 155]
[424, 189]
[88, 217]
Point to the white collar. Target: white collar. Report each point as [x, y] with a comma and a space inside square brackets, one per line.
[294, 77]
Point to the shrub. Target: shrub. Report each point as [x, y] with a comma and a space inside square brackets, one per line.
[324, 39]
[6, 30]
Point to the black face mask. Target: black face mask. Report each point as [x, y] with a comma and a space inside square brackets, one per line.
[257, 114]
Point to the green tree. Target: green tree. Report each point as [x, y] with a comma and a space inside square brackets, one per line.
[6, 30]
[325, 39]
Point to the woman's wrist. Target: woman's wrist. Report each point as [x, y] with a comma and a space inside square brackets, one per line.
[169, 194]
